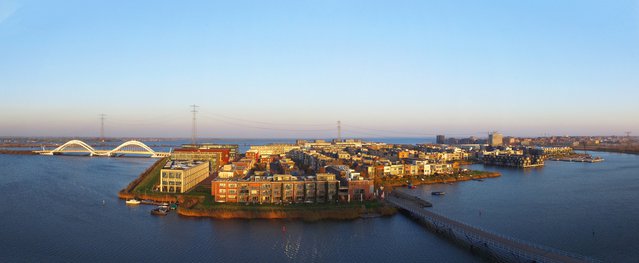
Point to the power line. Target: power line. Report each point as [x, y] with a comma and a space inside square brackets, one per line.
[339, 131]
[102, 117]
[194, 132]
[262, 127]
[397, 133]
[161, 119]
[267, 123]
[389, 131]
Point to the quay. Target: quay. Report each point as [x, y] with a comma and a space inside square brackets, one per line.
[496, 247]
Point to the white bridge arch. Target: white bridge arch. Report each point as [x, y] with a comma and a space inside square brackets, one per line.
[128, 147]
[71, 144]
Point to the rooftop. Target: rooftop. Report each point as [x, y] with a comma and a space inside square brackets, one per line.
[181, 165]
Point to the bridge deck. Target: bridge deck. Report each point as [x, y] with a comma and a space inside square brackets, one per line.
[529, 250]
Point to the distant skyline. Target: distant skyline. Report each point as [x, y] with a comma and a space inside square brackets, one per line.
[292, 69]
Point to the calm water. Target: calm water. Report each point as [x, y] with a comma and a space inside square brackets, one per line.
[591, 209]
[52, 211]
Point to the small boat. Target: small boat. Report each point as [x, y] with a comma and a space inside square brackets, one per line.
[160, 211]
[132, 202]
[173, 206]
[438, 193]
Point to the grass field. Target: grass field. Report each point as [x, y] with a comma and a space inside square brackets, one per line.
[153, 178]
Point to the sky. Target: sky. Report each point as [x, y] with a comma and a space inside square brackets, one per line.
[292, 69]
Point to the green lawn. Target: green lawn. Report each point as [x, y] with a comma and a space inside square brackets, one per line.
[146, 186]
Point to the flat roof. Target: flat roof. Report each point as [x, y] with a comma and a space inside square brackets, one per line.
[181, 165]
[200, 150]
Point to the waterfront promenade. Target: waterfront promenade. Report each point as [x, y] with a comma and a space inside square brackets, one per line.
[496, 246]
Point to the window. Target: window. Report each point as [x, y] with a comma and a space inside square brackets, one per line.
[222, 185]
[222, 191]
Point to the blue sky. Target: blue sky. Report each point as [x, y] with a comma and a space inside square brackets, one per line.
[293, 68]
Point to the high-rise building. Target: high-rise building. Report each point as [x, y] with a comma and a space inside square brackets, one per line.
[441, 139]
[495, 139]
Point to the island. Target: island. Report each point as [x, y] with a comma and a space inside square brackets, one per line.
[308, 181]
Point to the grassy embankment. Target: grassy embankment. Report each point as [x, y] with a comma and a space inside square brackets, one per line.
[630, 149]
[17, 152]
[307, 212]
[199, 203]
[142, 187]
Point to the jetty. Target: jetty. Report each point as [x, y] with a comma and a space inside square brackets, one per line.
[578, 159]
[496, 247]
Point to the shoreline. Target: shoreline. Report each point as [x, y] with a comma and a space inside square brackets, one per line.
[444, 179]
[612, 150]
[17, 152]
[200, 205]
[197, 203]
[303, 212]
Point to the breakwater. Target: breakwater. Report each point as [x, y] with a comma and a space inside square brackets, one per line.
[17, 152]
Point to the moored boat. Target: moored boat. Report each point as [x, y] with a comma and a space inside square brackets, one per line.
[438, 193]
[160, 211]
[133, 202]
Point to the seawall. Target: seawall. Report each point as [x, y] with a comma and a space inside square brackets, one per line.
[310, 213]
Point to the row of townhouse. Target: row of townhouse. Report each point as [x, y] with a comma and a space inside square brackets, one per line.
[311, 159]
[236, 169]
[415, 168]
[286, 188]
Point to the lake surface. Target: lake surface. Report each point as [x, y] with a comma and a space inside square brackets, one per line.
[587, 208]
[52, 211]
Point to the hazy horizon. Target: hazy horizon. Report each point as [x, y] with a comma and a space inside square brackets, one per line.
[292, 69]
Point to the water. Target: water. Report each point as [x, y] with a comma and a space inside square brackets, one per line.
[52, 211]
[590, 209]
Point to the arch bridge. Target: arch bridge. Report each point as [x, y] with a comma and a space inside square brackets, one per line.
[128, 147]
